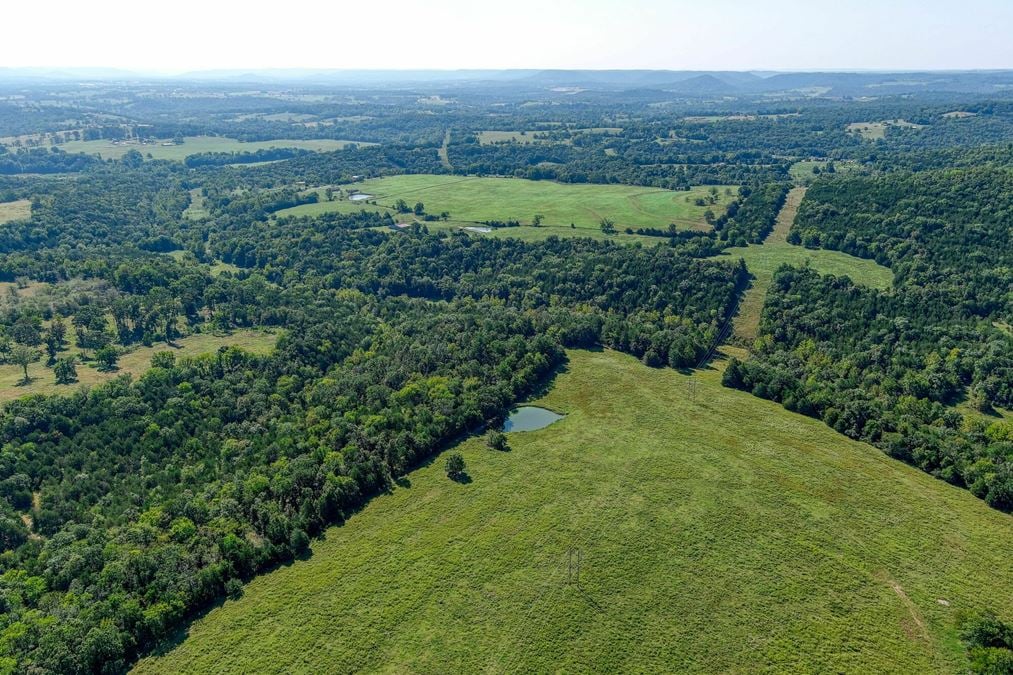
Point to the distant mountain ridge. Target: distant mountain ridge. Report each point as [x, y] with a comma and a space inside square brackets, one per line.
[684, 82]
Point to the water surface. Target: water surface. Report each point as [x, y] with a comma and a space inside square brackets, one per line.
[529, 418]
[359, 197]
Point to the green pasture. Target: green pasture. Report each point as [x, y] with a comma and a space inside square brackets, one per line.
[717, 532]
[16, 210]
[135, 361]
[477, 199]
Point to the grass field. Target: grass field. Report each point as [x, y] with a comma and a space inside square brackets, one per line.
[471, 200]
[872, 131]
[528, 136]
[215, 268]
[16, 210]
[197, 208]
[336, 206]
[718, 533]
[134, 362]
[803, 170]
[764, 259]
[193, 145]
[543, 232]
[525, 137]
[445, 150]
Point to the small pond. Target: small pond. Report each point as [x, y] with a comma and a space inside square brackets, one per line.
[529, 418]
[359, 197]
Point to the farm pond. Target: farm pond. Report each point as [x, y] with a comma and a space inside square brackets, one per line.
[530, 418]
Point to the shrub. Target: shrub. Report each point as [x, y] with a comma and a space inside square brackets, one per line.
[454, 465]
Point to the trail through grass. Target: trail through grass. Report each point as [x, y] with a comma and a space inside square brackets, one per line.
[718, 532]
[764, 259]
[197, 208]
[444, 151]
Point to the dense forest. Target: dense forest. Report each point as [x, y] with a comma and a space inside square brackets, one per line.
[128, 507]
[164, 493]
[888, 367]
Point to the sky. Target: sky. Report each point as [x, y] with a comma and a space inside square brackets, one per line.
[186, 35]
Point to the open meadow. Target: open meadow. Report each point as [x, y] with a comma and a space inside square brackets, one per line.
[808, 169]
[135, 362]
[717, 532]
[16, 210]
[475, 200]
[874, 131]
[524, 137]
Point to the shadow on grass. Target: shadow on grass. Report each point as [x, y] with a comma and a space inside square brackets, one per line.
[545, 384]
[463, 478]
[169, 643]
[594, 604]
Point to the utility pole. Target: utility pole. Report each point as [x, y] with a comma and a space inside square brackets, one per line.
[573, 567]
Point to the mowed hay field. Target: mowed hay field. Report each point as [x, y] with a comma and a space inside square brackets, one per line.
[471, 200]
[804, 170]
[193, 145]
[136, 362]
[718, 532]
[523, 137]
[873, 131]
[16, 210]
[527, 136]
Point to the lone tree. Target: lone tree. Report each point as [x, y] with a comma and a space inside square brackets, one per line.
[455, 465]
[26, 332]
[65, 371]
[496, 440]
[537, 220]
[419, 209]
[23, 356]
[58, 331]
[608, 226]
[107, 357]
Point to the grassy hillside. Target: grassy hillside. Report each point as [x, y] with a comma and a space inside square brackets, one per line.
[135, 362]
[16, 210]
[481, 199]
[718, 532]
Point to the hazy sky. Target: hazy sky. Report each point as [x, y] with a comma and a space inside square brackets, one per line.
[679, 34]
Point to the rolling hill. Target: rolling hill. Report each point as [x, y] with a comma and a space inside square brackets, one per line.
[731, 536]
